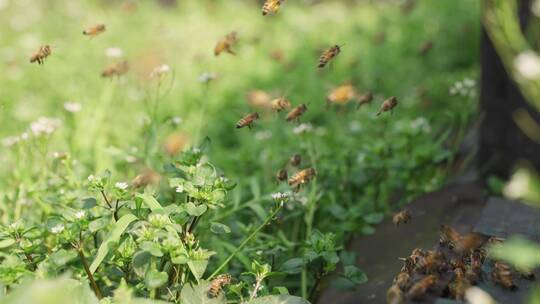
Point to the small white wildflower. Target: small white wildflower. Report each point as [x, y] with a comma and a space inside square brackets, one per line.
[57, 229]
[121, 185]
[44, 126]
[91, 178]
[72, 107]
[25, 136]
[176, 120]
[355, 126]
[305, 127]
[80, 214]
[10, 141]
[196, 150]
[206, 77]
[179, 189]
[114, 52]
[263, 135]
[160, 70]
[422, 124]
[131, 159]
[470, 83]
[303, 200]
[519, 185]
[528, 65]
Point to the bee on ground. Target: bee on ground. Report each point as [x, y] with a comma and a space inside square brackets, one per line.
[226, 43]
[388, 105]
[329, 55]
[218, 283]
[394, 295]
[363, 99]
[271, 6]
[295, 113]
[40, 55]
[403, 280]
[295, 160]
[419, 289]
[502, 274]
[402, 217]
[115, 69]
[432, 262]
[302, 177]
[459, 285]
[449, 237]
[247, 121]
[280, 104]
[95, 30]
[282, 175]
[341, 95]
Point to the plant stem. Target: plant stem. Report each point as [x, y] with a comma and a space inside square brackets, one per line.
[106, 199]
[246, 240]
[95, 287]
[255, 289]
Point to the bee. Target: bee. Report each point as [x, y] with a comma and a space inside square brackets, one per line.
[225, 44]
[259, 99]
[394, 295]
[40, 55]
[95, 30]
[419, 289]
[403, 280]
[402, 217]
[388, 105]
[429, 263]
[527, 274]
[502, 274]
[247, 120]
[175, 143]
[474, 270]
[410, 261]
[271, 6]
[425, 48]
[449, 237]
[279, 104]
[282, 175]
[341, 95]
[116, 69]
[295, 160]
[302, 177]
[146, 178]
[469, 242]
[218, 283]
[459, 285]
[363, 99]
[329, 55]
[295, 113]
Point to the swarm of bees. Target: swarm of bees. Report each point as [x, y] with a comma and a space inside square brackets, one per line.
[328, 55]
[115, 69]
[40, 55]
[448, 271]
[226, 43]
[271, 6]
[217, 284]
[95, 30]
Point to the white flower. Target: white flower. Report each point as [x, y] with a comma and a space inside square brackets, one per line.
[114, 52]
[160, 70]
[130, 158]
[519, 185]
[25, 136]
[206, 77]
[176, 120]
[263, 135]
[528, 65]
[121, 185]
[10, 141]
[57, 229]
[281, 197]
[44, 126]
[421, 123]
[80, 214]
[91, 178]
[72, 107]
[179, 189]
[305, 127]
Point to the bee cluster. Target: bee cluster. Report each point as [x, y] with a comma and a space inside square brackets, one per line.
[458, 263]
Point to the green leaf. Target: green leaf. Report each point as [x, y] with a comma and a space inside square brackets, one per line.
[198, 294]
[197, 267]
[195, 210]
[219, 228]
[118, 229]
[374, 218]
[354, 274]
[6, 243]
[150, 201]
[520, 252]
[155, 279]
[89, 202]
[152, 248]
[292, 266]
[62, 257]
[98, 224]
[278, 299]
[141, 262]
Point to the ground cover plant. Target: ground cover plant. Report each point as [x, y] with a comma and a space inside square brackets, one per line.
[139, 185]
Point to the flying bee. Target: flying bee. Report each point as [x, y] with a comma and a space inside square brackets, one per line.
[403, 280]
[295, 113]
[388, 105]
[95, 30]
[459, 285]
[282, 175]
[218, 283]
[329, 55]
[226, 43]
[341, 95]
[302, 177]
[271, 6]
[502, 274]
[247, 120]
[425, 48]
[295, 160]
[116, 69]
[146, 178]
[279, 104]
[449, 237]
[259, 99]
[419, 289]
[40, 55]
[394, 295]
[402, 217]
[363, 99]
